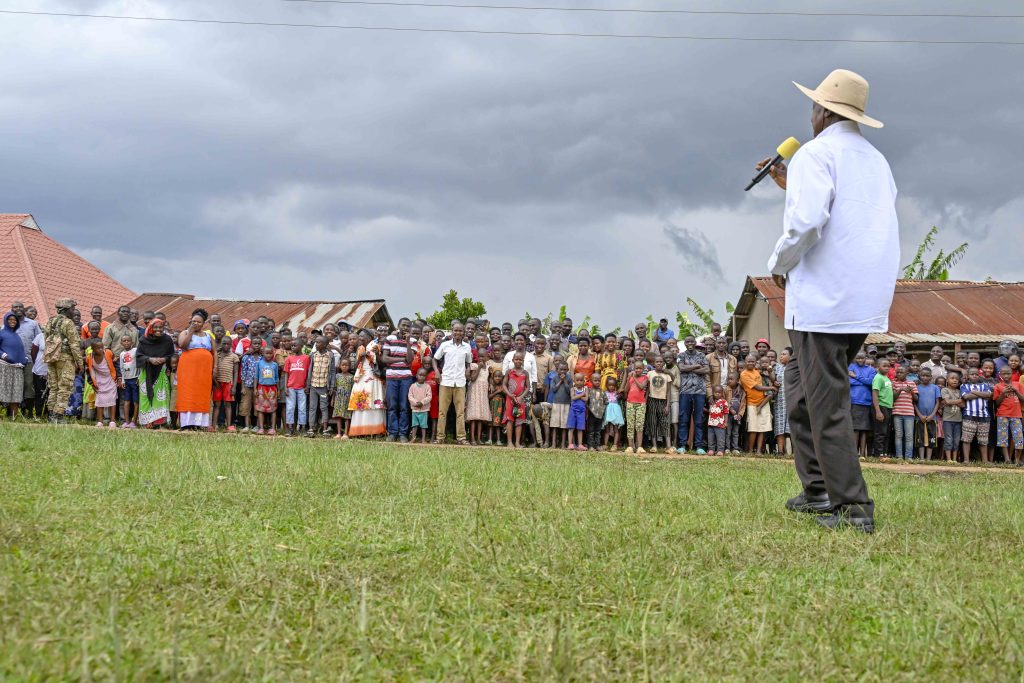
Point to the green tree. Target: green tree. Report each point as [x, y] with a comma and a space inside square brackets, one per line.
[454, 308]
[938, 268]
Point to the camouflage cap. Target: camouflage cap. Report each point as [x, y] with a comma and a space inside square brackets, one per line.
[65, 303]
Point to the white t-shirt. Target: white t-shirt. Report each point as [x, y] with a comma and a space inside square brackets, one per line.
[38, 366]
[129, 369]
[453, 374]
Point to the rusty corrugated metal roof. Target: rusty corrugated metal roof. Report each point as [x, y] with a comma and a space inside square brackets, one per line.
[931, 310]
[297, 315]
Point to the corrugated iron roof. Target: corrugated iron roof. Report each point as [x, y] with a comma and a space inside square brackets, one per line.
[943, 311]
[297, 315]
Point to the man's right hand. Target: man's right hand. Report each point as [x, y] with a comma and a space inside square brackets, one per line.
[777, 172]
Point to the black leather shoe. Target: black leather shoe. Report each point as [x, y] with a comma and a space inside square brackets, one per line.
[815, 505]
[841, 519]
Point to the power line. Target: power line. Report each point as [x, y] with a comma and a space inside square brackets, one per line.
[409, 29]
[445, 5]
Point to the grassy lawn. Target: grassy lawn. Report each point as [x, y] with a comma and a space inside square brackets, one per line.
[146, 556]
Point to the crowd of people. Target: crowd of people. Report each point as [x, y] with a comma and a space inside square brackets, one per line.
[489, 385]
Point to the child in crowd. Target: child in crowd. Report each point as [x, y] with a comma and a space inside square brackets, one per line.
[516, 384]
[265, 401]
[103, 375]
[976, 417]
[539, 424]
[343, 381]
[560, 397]
[128, 381]
[224, 380]
[173, 401]
[636, 406]
[861, 375]
[928, 403]
[613, 418]
[320, 385]
[435, 405]
[669, 357]
[419, 402]
[296, 369]
[759, 414]
[952, 405]
[496, 396]
[881, 403]
[718, 417]
[1007, 397]
[597, 402]
[737, 407]
[576, 424]
[478, 407]
[656, 422]
[247, 373]
[904, 396]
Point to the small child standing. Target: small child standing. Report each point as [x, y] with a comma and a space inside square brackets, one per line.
[478, 407]
[597, 402]
[225, 379]
[343, 381]
[577, 420]
[1007, 396]
[496, 395]
[128, 373]
[102, 373]
[881, 402]
[952, 416]
[656, 422]
[927, 408]
[737, 406]
[560, 398]
[636, 406]
[613, 418]
[296, 371]
[718, 417]
[516, 384]
[976, 416]
[267, 375]
[904, 395]
[247, 374]
[320, 385]
[419, 402]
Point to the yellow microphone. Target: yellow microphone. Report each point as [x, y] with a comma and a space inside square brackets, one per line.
[784, 151]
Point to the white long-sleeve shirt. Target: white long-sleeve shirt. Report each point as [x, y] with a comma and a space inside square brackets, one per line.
[840, 248]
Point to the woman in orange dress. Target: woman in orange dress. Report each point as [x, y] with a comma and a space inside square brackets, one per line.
[195, 373]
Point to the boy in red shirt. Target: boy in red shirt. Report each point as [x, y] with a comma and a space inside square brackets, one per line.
[1007, 396]
[296, 367]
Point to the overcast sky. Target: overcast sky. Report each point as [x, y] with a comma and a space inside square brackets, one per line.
[526, 172]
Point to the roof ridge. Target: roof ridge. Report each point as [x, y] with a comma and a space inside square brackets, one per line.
[26, 260]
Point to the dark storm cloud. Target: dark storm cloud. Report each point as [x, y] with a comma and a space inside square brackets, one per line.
[309, 153]
[696, 250]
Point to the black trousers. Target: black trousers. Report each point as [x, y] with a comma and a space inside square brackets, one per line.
[593, 431]
[818, 400]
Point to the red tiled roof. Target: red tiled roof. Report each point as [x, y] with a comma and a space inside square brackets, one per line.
[38, 270]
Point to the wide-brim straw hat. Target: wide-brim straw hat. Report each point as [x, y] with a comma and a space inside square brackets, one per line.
[845, 93]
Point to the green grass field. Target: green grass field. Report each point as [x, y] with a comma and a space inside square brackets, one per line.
[136, 556]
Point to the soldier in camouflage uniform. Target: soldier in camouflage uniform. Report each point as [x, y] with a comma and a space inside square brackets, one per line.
[63, 365]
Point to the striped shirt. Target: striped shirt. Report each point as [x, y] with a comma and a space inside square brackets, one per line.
[904, 404]
[975, 407]
[397, 348]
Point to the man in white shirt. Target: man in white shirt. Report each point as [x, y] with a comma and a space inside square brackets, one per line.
[456, 355]
[838, 259]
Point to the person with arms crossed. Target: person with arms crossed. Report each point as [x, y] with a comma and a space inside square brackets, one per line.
[840, 193]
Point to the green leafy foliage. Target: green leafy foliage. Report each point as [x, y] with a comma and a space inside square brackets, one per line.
[454, 308]
[938, 268]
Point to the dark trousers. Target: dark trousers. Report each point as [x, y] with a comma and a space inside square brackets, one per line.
[691, 405]
[397, 396]
[818, 400]
[593, 431]
[880, 433]
[38, 404]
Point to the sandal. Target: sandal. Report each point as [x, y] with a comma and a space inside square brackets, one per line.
[461, 442]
